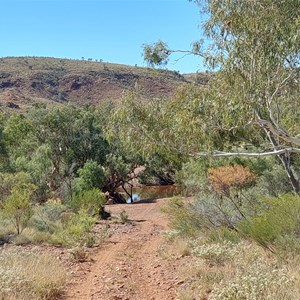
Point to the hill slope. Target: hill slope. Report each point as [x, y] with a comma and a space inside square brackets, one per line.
[28, 80]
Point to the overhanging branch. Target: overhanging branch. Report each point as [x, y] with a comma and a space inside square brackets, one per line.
[246, 154]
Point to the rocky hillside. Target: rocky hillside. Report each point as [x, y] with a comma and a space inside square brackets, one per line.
[28, 80]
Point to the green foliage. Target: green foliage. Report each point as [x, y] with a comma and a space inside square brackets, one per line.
[124, 217]
[159, 169]
[76, 230]
[39, 167]
[72, 136]
[19, 135]
[251, 100]
[119, 169]
[222, 234]
[182, 218]
[136, 129]
[47, 217]
[56, 145]
[91, 176]
[88, 200]
[156, 54]
[54, 223]
[278, 217]
[17, 206]
[9, 180]
[192, 176]
[274, 181]
[4, 159]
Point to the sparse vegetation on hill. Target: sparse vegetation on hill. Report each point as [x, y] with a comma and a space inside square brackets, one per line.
[28, 80]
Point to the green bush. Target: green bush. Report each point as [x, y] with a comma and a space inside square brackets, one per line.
[54, 223]
[90, 200]
[287, 247]
[76, 230]
[274, 181]
[224, 234]
[17, 207]
[10, 180]
[278, 217]
[183, 218]
[124, 217]
[91, 176]
[47, 216]
[191, 177]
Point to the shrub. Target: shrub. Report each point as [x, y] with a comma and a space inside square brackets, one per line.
[25, 275]
[46, 217]
[17, 206]
[217, 211]
[217, 253]
[221, 198]
[287, 247]
[76, 230]
[8, 181]
[224, 234]
[54, 223]
[124, 217]
[225, 177]
[274, 181]
[90, 176]
[90, 200]
[278, 217]
[191, 177]
[183, 218]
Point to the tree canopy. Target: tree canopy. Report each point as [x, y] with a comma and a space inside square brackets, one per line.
[251, 105]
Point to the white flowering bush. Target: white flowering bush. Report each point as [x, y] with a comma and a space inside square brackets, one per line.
[28, 275]
[171, 235]
[217, 253]
[256, 276]
[256, 282]
[243, 271]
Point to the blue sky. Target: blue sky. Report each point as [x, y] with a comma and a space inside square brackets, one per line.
[112, 30]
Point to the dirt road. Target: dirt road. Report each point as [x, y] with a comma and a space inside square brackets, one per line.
[130, 264]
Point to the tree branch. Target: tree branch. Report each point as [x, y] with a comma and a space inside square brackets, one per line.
[217, 153]
[280, 133]
[187, 52]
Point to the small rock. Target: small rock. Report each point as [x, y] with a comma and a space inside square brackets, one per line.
[180, 282]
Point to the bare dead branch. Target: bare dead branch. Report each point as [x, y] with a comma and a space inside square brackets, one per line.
[217, 153]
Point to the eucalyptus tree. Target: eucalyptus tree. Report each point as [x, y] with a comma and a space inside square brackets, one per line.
[140, 131]
[53, 144]
[4, 159]
[253, 98]
[74, 137]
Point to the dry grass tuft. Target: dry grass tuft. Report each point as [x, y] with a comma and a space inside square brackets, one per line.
[27, 275]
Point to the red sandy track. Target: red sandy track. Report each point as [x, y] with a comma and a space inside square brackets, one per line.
[128, 265]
